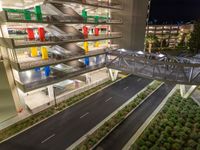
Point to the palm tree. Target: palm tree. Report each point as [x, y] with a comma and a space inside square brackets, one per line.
[150, 40]
[187, 39]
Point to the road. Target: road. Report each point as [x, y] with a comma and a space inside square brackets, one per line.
[122, 134]
[63, 129]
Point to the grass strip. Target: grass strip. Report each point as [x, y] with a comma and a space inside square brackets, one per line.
[103, 131]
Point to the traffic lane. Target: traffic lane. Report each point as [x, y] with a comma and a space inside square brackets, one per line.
[93, 117]
[63, 124]
[121, 135]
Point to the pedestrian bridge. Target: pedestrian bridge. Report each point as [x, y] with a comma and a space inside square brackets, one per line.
[177, 70]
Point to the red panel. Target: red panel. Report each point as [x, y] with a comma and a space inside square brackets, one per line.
[41, 33]
[96, 31]
[85, 31]
[30, 34]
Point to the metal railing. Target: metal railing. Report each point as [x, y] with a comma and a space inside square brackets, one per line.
[178, 70]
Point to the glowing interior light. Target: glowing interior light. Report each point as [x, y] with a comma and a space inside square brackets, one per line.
[122, 50]
[28, 73]
[161, 55]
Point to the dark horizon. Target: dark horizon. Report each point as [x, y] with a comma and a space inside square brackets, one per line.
[174, 11]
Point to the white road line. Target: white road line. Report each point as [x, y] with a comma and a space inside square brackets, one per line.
[139, 80]
[84, 115]
[48, 138]
[108, 99]
[126, 88]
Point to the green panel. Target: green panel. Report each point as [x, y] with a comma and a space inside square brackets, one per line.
[7, 105]
[38, 13]
[14, 10]
[27, 15]
[96, 19]
[84, 15]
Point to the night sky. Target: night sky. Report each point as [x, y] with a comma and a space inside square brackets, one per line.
[174, 11]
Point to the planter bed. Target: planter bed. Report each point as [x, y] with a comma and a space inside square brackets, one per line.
[176, 127]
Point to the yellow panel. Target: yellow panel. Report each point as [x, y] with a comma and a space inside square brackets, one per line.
[34, 52]
[96, 44]
[44, 52]
[86, 47]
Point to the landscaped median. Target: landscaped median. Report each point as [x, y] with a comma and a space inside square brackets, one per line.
[176, 127]
[41, 116]
[93, 139]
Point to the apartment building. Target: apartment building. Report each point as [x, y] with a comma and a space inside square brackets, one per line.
[170, 34]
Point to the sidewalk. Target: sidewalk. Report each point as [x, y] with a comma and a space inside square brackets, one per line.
[13, 120]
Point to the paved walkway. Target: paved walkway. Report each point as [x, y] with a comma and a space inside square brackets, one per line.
[14, 119]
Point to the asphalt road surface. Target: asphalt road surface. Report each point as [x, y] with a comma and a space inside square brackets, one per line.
[63, 129]
[122, 134]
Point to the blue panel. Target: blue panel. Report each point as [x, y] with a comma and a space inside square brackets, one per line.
[47, 71]
[37, 69]
[87, 61]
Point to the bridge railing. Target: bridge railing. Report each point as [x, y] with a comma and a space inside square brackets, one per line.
[156, 66]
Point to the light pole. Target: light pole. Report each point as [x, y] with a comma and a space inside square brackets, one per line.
[54, 94]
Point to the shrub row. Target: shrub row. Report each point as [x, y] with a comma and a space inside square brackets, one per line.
[101, 132]
[176, 127]
[21, 125]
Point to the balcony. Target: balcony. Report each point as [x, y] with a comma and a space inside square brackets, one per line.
[15, 43]
[57, 55]
[31, 80]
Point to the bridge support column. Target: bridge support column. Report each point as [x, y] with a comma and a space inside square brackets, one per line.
[113, 74]
[185, 93]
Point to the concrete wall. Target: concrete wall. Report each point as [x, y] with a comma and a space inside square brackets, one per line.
[134, 15]
[7, 105]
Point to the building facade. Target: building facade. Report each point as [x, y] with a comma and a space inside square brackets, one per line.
[54, 50]
[169, 35]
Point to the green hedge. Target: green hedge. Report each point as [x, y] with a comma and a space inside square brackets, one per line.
[101, 132]
[21, 125]
[176, 127]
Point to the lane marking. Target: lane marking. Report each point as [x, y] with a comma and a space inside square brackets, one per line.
[84, 115]
[126, 88]
[138, 80]
[48, 138]
[108, 99]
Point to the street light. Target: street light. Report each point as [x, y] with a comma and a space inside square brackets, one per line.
[54, 94]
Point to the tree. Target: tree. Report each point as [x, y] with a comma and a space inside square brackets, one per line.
[194, 42]
[150, 40]
[184, 39]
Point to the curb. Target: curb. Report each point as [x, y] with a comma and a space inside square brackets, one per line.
[126, 116]
[106, 119]
[59, 111]
[148, 121]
